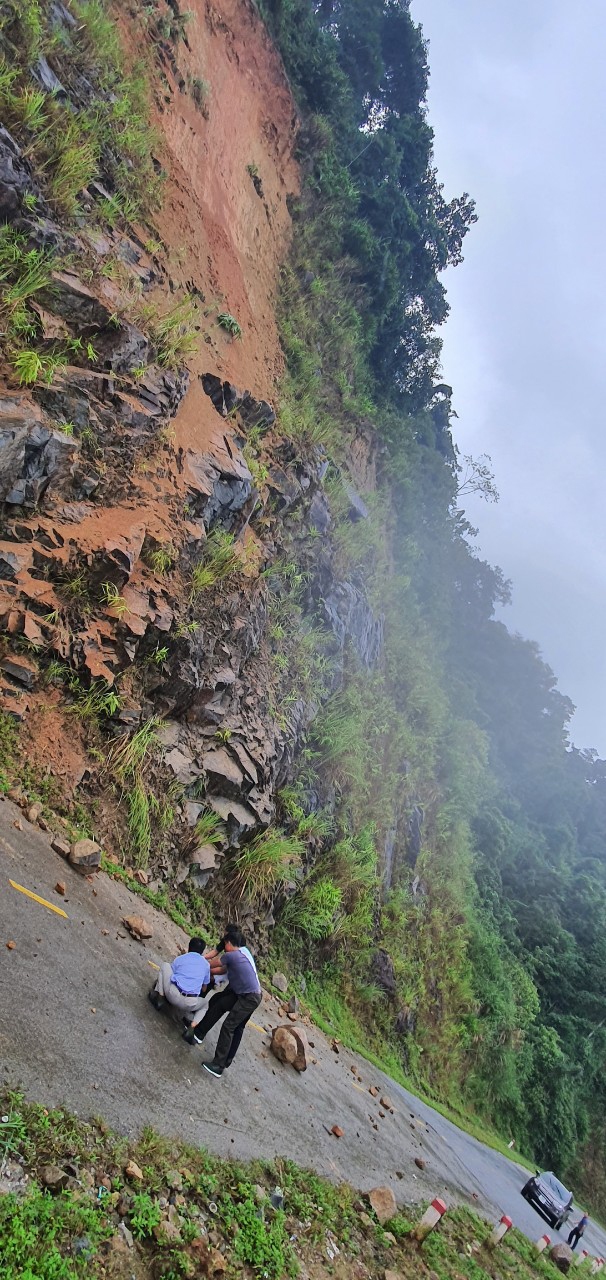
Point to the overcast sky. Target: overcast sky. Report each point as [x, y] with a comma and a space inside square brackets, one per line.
[518, 104]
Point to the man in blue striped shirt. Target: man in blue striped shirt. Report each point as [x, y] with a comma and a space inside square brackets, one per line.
[184, 983]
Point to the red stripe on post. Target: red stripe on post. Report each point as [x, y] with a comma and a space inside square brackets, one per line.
[507, 1221]
[439, 1206]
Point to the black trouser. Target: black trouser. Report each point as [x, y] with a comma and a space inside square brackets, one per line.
[577, 1235]
[238, 1009]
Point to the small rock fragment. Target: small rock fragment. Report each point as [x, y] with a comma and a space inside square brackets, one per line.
[167, 1233]
[85, 856]
[60, 846]
[138, 927]
[10, 946]
[373, 1091]
[386, 1102]
[53, 1177]
[383, 1201]
[133, 1171]
[60, 888]
[127, 1234]
[420, 1163]
[33, 813]
[337, 1130]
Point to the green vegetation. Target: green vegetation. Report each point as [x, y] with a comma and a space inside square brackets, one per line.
[200, 90]
[161, 559]
[221, 560]
[208, 829]
[173, 333]
[229, 323]
[8, 749]
[99, 700]
[70, 142]
[69, 139]
[266, 863]
[467, 839]
[66, 1234]
[110, 596]
[128, 762]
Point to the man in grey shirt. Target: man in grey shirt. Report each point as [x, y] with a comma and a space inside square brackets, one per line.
[239, 999]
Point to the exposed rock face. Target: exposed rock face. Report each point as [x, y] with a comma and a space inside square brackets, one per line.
[15, 178]
[32, 455]
[351, 619]
[96, 499]
[413, 833]
[384, 973]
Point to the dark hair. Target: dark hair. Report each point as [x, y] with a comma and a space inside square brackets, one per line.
[197, 944]
[234, 935]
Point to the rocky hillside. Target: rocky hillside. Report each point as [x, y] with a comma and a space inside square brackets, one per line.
[247, 641]
[161, 533]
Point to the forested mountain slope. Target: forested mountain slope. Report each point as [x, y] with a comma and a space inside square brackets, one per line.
[315, 720]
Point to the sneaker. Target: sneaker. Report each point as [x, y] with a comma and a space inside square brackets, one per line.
[155, 998]
[212, 1069]
[190, 1036]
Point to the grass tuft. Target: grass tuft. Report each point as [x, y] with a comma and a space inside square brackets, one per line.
[264, 865]
[220, 560]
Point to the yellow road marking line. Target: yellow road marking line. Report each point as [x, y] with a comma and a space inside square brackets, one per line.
[358, 1086]
[43, 903]
[154, 966]
[257, 1027]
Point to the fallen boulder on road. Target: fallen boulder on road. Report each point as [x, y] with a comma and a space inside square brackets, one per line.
[85, 856]
[289, 1044]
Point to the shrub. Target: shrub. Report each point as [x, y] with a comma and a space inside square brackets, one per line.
[315, 908]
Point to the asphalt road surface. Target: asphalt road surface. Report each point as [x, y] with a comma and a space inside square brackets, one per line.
[76, 1029]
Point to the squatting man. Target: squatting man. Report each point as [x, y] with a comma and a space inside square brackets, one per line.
[185, 985]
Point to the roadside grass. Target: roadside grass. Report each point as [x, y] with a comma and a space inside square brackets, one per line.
[191, 913]
[268, 1219]
[335, 1018]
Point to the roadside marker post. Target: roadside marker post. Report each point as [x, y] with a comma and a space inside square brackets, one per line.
[430, 1219]
[542, 1243]
[499, 1232]
[597, 1265]
[581, 1257]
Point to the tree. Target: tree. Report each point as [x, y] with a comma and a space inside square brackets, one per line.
[477, 477]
